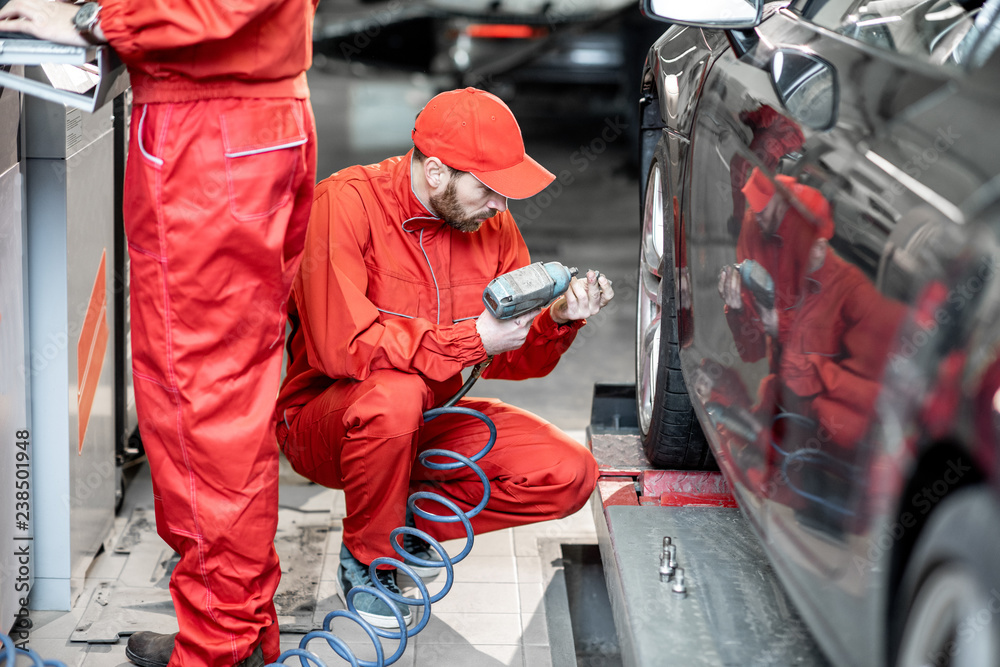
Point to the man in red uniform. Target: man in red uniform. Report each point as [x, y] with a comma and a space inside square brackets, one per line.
[779, 237]
[218, 188]
[387, 311]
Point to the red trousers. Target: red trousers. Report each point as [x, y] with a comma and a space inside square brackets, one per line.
[217, 197]
[364, 437]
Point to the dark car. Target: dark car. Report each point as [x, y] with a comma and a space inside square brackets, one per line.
[819, 310]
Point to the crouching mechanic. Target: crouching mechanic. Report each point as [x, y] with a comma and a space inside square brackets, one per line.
[387, 311]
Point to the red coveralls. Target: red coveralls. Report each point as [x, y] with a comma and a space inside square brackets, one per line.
[384, 320]
[785, 255]
[217, 193]
[832, 362]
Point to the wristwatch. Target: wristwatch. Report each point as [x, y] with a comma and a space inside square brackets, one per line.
[85, 20]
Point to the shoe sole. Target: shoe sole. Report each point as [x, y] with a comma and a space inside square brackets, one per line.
[142, 662]
[384, 622]
[425, 573]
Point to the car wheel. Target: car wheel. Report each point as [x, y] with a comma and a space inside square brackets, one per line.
[670, 432]
[949, 600]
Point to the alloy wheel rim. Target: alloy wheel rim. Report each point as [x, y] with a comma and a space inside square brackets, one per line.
[648, 309]
[944, 625]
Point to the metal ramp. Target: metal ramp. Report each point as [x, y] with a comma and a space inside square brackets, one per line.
[734, 610]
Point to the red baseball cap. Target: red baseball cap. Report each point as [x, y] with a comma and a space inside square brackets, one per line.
[758, 190]
[474, 131]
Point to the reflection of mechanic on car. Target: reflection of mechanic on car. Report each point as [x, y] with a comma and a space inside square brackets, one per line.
[826, 332]
[778, 238]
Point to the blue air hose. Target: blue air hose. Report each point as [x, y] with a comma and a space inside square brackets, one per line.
[810, 456]
[447, 562]
[425, 600]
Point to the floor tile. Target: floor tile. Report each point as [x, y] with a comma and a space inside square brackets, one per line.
[497, 543]
[437, 655]
[479, 569]
[358, 642]
[69, 653]
[54, 624]
[537, 656]
[531, 597]
[534, 629]
[106, 655]
[480, 598]
[456, 628]
[529, 569]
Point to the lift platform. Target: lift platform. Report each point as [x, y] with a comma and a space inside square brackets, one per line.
[733, 610]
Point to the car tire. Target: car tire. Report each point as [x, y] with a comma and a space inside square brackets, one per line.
[947, 609]
[671, 435]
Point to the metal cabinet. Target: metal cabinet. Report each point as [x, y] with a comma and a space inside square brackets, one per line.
[69, 175]
[15, 470]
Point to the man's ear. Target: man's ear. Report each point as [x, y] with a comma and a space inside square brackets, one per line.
[435, 173]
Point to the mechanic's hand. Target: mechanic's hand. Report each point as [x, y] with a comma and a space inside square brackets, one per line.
[43, 19]
[730, 287]
[504, 335]
[583, 298]
[769, 319]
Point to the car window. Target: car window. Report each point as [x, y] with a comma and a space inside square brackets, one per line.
[960, 33]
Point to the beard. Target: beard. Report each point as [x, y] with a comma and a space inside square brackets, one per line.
[447, 208]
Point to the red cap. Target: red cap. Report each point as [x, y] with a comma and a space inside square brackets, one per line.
[758, 190]
[474, 131]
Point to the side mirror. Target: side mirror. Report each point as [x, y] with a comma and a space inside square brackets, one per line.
[807, 86]
[718, 14]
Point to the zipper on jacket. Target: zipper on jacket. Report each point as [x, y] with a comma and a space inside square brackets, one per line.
[437, 290]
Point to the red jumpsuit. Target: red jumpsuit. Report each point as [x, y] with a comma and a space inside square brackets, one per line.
[834, 356]
[384, 320]
[217, 193]
[785, 256]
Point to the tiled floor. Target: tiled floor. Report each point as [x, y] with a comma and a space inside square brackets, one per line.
[494, 615]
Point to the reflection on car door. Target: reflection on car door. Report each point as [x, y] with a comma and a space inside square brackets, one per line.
[796, 300]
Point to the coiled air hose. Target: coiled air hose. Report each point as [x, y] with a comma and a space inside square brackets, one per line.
[810, 456]
[425, 600]
[447, 562]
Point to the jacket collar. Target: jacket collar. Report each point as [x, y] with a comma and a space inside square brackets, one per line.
[415, 215]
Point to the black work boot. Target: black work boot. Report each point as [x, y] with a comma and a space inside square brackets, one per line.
[150, 649]
[255, 659]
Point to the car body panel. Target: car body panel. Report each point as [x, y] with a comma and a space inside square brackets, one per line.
[911, 179]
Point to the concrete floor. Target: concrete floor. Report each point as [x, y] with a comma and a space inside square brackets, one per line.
[495, 613]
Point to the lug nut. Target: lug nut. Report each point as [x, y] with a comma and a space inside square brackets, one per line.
[679, 588]
[666, 571]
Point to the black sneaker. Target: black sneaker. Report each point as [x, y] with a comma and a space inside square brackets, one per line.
[421, 549]
[353, 572]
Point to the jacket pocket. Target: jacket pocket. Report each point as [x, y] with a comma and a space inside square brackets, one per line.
[263, 149]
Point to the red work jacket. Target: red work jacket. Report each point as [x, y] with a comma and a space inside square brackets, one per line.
[785, 256]
[385, 284]
[198, 49]
[836, 351]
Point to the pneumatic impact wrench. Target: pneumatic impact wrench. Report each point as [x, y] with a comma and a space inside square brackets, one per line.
[515, 293]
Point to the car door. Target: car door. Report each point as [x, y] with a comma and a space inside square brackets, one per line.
[830, 106]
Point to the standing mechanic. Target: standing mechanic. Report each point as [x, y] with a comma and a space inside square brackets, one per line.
[386, 312]
[219, 182]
